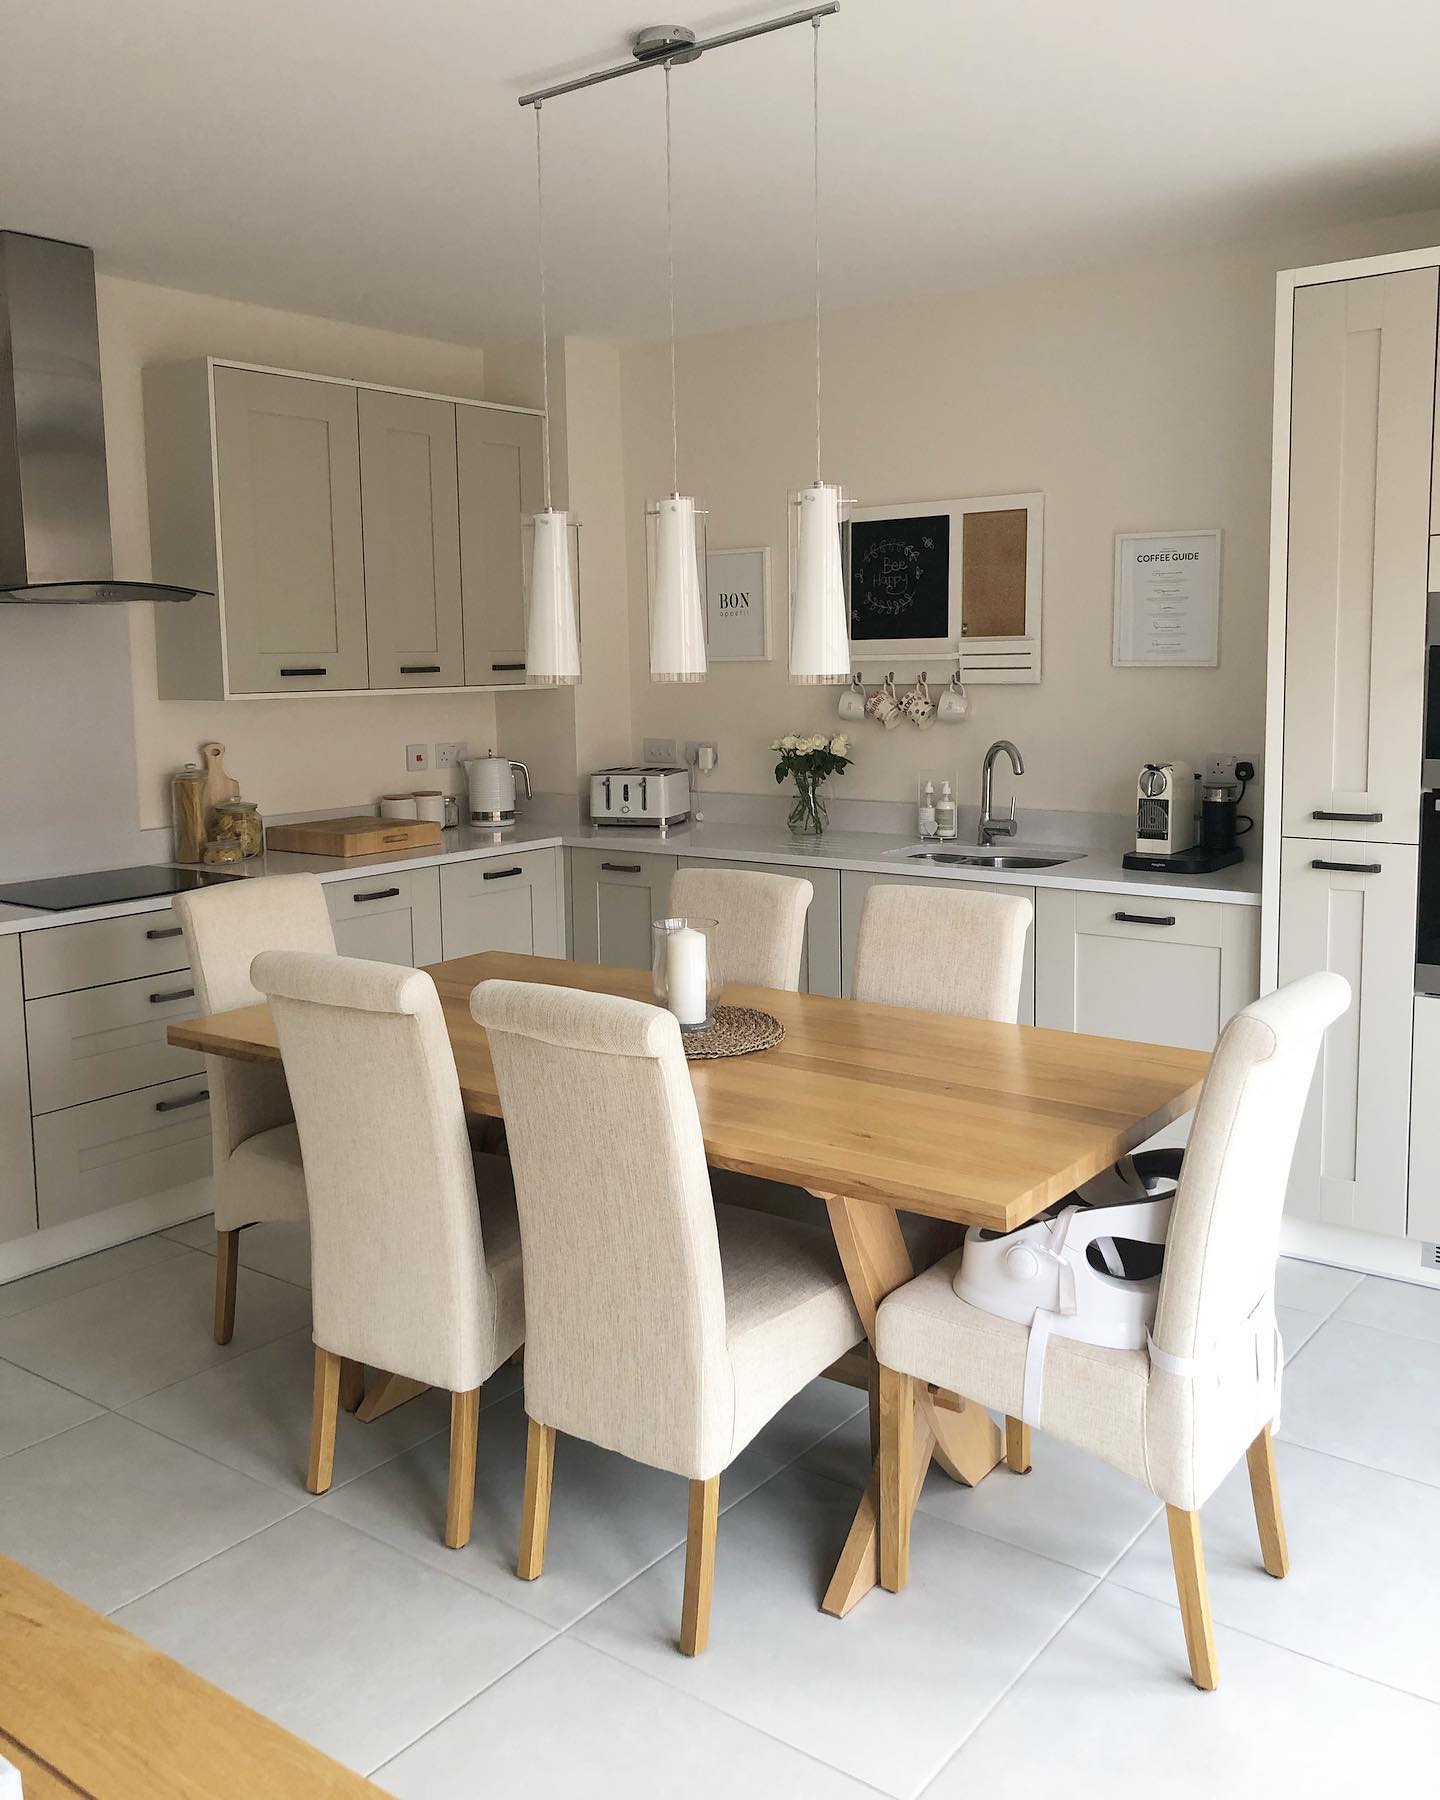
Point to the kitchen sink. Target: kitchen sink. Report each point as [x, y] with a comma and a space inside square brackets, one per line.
[994, 859]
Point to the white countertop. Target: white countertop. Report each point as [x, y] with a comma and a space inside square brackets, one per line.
[1095, 870]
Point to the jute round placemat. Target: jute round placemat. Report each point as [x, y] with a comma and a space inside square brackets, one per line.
[737, 1031]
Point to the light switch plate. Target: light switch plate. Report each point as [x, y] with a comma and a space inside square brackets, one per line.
[417, 757]
[658, 750]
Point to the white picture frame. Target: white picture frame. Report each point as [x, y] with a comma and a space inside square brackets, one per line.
[1167, 599]
[737, 605]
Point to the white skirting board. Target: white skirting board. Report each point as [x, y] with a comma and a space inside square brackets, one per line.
[101, 1231]
[1398, 1259]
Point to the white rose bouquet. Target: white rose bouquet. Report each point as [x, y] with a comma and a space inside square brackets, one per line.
[809, 761]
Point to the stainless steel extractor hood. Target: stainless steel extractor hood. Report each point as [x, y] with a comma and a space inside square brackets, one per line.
[54, 500]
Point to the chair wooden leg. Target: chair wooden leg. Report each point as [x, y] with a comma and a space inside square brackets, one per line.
[227, 1269]
[535, 1515]
[1265, 1492]
[897, 1476]
[1188, 1555]
[352, 1384]
[1017, 1446]
[322, 1421]
[460, 1500]
[874, 1391]
[700, 1565]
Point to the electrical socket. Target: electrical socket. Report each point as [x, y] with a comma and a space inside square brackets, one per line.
[450, 756]
[417, 757]
[1221, 768]
[659, 750]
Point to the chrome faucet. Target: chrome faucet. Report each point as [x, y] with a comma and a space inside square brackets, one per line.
[991, 828]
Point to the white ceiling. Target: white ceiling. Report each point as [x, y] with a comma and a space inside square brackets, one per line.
[368, 162]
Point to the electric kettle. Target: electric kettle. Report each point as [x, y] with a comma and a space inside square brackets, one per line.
[492, 789]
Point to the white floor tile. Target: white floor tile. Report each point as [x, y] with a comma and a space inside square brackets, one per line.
[254, 1414]
[143, 1330]
[884, 1694]
[1312, 1287]
[109, 1510]
[1296, 1328]
[624, 1735]
[280, 1247]
[343, 1640]
[1367, 1395]
[610, 1517]
[1400, 1306]
[32, 1409]
[1362, 1592]
[199, 1233]
[85, 1272]
[1109, 1710]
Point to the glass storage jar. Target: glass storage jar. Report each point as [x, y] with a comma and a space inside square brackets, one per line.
[222, 850]
[240, 820]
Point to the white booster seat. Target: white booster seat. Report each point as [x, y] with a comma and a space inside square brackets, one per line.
[1087, 1268]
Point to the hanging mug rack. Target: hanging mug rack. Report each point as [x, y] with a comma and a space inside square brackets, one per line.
[887, 708]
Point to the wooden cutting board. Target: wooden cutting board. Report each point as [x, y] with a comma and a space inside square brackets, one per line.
[364, 835]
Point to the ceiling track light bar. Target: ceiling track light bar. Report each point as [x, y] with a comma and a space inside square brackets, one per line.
[660, 45]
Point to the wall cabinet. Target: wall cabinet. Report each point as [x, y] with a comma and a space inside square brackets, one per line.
[820, 957]
[388, 918]
[855, 884]
[510, 903]
[1351, 908]
[1153, 971]
[615, 895]
[346, 537]
[17, 1167]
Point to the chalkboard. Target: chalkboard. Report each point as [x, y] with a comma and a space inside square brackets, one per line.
[900, 578]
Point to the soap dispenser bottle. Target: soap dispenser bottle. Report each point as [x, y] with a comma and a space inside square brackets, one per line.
[927, 811]
[945, 812]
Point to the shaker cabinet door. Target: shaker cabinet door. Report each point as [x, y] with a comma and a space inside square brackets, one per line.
[615, 896]
[411, 514]
[500, 484]
[1362, 415]
[17, 1167]
[512, 903]
[288, 458]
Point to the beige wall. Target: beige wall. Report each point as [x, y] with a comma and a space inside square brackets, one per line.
[1135, 398]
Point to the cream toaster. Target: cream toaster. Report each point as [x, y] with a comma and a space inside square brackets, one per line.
[657, 796]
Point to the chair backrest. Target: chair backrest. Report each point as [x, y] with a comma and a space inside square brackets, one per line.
[942, 948]
[397, 1261]
[1224, 1234]
[761, 918]
[226, 927]
[624, 1299]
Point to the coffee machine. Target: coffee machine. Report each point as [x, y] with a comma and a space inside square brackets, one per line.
[1168, 839]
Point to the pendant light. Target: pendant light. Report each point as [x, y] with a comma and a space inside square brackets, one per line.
[819, 633]
[552, 635]
[677, 605]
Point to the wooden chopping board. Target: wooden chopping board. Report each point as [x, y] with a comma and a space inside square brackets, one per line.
[364, 835]
[219, 786]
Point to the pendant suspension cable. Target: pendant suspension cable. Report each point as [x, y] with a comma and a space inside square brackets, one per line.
[815, 117]
[544, 336]
[670, 267]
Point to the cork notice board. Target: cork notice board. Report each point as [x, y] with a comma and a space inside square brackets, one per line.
[992, 577]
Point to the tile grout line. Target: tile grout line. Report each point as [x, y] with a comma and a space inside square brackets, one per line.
[92, 1287]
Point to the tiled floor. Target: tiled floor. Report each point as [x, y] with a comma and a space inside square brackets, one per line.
[1037, 1648]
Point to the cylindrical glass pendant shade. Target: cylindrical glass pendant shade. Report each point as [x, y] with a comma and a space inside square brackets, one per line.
[677, 607]
[552, 638]
[819, 631]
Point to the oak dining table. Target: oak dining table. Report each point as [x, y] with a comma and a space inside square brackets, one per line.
[875, 1110]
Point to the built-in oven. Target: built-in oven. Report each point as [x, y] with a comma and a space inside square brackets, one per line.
[1427, 931]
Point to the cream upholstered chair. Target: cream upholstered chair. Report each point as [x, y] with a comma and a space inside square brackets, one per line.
[413, 1271]
[660, 1325]
[761, 920]
[257, 1171]
[942, 948]
[1178, 1415]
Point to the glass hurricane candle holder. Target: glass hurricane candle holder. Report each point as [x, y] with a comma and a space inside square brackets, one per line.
[686, 972]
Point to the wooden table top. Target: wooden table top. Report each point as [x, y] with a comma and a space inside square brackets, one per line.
[960, 1118]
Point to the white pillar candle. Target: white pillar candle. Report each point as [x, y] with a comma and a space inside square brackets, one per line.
[685, 973]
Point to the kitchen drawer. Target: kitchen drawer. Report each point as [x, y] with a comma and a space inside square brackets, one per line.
[78, 956]
[1141, 918]
[109, 1040]
[388, 918]
[503, 903]
[109, 1152]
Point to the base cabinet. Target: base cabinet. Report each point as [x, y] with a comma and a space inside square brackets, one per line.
[1350, 907]
[107, 1152]
[388, 918]
[615, 895]
[17, 1167]
[503, 903]
[820, 958]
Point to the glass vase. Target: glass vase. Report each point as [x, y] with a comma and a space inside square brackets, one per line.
[807, 815]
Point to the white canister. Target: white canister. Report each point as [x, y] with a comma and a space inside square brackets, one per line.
[429, 804]
[398, 806]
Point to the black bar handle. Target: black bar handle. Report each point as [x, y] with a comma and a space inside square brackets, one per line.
[177, 1105]
[304, 671]
[419, 668]
[155, 933]
[1347, 868]
[1344, 818]
[376, 894]
[1124, 918]
[621, 868]
[174, 994]
[499, 874]
[506, 668]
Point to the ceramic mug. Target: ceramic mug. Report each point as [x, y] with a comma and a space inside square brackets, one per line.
[954, 702]
[852, 701]
[917, 705]
[882, 706]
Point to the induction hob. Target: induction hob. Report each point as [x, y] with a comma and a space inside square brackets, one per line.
[66, 893]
